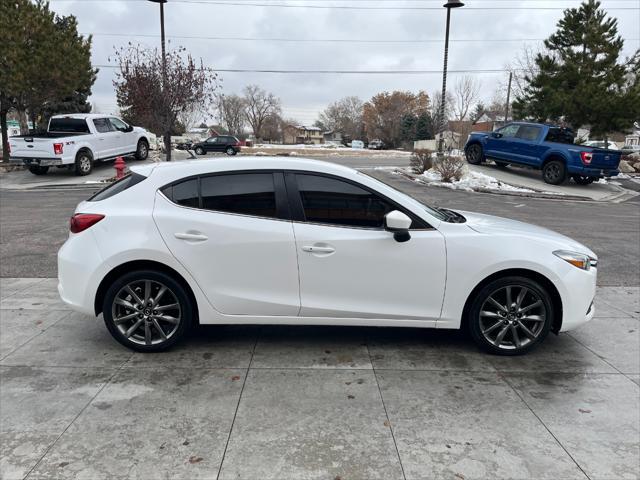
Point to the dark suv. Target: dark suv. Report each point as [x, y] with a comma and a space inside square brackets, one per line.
[223, 143]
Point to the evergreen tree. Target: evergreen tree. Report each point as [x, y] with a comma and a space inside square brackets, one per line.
[580, 76]
[424, 127]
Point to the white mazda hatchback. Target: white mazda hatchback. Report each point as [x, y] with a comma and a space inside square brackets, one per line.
[294, 241]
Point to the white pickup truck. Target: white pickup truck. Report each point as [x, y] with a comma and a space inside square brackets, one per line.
[76, 141]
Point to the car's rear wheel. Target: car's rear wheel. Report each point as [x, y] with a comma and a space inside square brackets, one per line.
[474, 154]
[84, 163]
[38, 170]
[510, 316]
[580, 180]
[231, 151]
[199, 151]
[142, 151]
[554, 172]
[147, 311]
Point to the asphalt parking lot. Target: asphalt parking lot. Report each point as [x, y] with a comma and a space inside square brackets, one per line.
[257, 403]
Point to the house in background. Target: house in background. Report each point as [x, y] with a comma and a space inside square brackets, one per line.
[332, 137]
[301, 134]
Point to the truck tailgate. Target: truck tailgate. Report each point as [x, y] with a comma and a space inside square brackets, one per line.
[602, 158]
[31, 147]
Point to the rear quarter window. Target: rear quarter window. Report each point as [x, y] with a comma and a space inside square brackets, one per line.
[118, 187]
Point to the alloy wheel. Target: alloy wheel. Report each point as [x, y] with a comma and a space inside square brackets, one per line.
[553, 173]
[142, 151]
[85, 164]
[146, 312]
[512, 317]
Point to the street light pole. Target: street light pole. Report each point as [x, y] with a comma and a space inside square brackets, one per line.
[449, 5]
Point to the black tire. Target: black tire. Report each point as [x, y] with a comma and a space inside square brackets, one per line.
[580, 180]
[480, 325]
[474, 154]
[231, 151]
[199, 151]
[142, 150]
[175, 293]
[38, 170]
[554, 172]
[84, 163]
[501, 164]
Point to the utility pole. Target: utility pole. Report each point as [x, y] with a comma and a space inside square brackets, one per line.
[506, 110]
[166, 136]
[449, 5]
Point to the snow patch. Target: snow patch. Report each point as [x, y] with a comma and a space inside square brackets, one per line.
[471, 181]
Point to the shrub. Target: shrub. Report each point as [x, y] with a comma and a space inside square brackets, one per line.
[450, 168]
[421, 161]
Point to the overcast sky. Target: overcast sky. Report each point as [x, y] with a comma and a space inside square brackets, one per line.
[485, 35]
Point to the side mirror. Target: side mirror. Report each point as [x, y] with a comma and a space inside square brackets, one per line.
[129, 129]
[398, 223]
[496, 135]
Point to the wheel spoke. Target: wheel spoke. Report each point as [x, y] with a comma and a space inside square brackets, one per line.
[509, 300]
[492, 328]
[161, 292]
[133, 328]
[533, 318]
[134, 295]
[535, 304]
[147, 291]
[489, 314]
[159, 328]
[124, 303]
[527, 332]
[521, 295]
[501, 335]
[120, 320]
[167, 318]
[147, 333]
[516, 338]
[493, 302]
[167, 307]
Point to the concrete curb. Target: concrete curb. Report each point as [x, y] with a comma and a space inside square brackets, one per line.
[621, 195]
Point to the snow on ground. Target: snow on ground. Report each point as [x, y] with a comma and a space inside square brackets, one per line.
[328, 147]
[471, 181]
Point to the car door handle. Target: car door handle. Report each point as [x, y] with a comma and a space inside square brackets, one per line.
[193, 237]
[318, 249]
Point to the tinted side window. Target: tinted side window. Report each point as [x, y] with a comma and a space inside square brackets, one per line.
[332, 201]
[184, 193]
[246, 194]
[102, 125]
[527, 132]
[559, 135]
[118, 124]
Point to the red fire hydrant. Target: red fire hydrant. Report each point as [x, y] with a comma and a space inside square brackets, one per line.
[120, 167]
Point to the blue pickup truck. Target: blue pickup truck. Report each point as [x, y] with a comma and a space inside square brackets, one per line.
[543, 147]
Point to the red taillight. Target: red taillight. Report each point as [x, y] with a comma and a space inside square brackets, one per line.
[57, 148]
[586, 157]
[81, 221]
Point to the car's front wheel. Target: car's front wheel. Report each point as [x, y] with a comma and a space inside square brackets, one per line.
[474, 154]
[510, 316]
[199, 151]
[142, 150]
[147, 311]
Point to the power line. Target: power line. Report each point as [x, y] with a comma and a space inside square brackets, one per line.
[337, 72]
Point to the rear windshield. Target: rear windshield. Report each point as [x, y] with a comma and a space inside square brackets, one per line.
[71, 125]
[560, 135]
[115, 188]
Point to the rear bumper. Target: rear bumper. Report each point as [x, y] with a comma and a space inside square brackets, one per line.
[593, 171]
[29, 161]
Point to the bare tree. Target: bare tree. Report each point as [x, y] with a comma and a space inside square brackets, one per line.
[436, 101]
[231, 113]
[466, 94]
[150, 98]
[344, 117]
[523, 66]
[259, 105]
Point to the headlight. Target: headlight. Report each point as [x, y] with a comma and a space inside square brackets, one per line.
[580, 260]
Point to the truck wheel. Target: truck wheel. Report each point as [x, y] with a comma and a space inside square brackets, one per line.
[142, 151]
[580, 180]
[554, 172]
[38, 170]
[84, 163]
[474, 154]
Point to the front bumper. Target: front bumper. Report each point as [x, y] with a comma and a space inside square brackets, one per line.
[577, 291]
[31, 161]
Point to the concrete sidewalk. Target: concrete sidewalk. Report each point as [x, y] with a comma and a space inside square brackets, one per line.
[314, 403]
